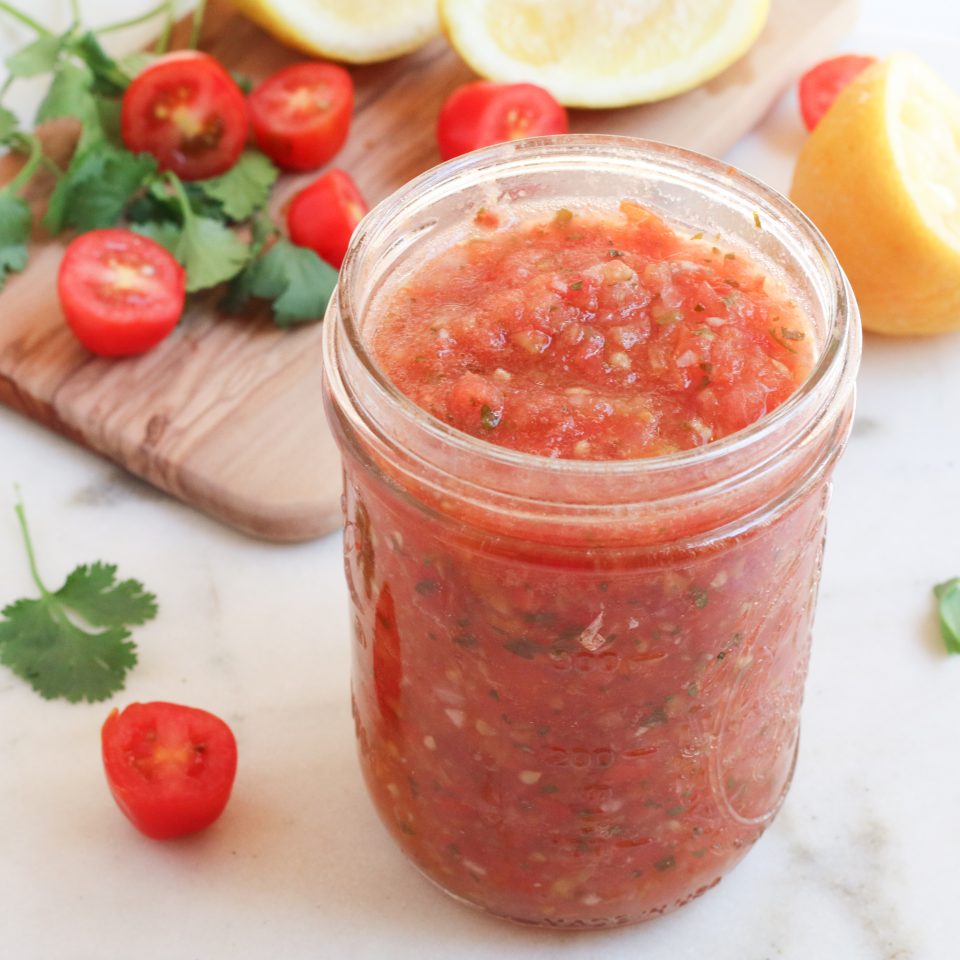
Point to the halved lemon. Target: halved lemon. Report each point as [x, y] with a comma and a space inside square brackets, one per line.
[609, 54]
[357, 31]
[880, 177]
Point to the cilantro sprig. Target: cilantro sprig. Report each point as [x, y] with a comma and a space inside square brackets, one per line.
[16, 219]
[295, 279]
[205, 224]
[74, 643]
[210, 251]
[948, 607]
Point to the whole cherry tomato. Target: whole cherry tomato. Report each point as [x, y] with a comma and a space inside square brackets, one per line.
[189, 113]
[301, 115]
[121, 293]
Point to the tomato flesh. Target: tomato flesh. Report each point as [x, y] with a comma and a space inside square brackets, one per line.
[301, 115]
[821, 85]
[188, 112]
[121, 293]
[170, 768]
[479, 114]
[324, 216]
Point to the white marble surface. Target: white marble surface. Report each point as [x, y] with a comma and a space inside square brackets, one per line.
[860, 865]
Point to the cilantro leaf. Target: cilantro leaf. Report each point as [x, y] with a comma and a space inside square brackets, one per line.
[209, 251]
[15, 224]
[96, 187]
[8, 123]
[59, 659]
[245, 188]
[53, 642]
[93, 592]
[40, 56]
[948, 604]
[109, 77]
[136, 62]
[71, 95]
[297, 281]
[263, 230]
[165, 232]
[245, 83]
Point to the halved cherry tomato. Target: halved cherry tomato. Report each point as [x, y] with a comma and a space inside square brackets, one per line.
[189, 113]
[481, 113]
[121, 293]
[170, 768]
[324, 216]
[821, 85]
[301, 115]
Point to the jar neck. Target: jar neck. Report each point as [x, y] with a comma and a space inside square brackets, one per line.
[701, 493]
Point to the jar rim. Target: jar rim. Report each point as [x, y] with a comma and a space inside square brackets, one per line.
[513, 157]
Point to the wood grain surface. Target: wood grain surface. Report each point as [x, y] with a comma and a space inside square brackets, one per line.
[227, 413]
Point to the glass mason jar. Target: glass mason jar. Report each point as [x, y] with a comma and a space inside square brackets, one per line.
[577, 684]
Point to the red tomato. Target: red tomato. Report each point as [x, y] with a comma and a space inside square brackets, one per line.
[387, 658]
[189, 113]
[121, 293]
[324, 216]
[821, 85]
[170, 768]
[301, 115]
[481, 113]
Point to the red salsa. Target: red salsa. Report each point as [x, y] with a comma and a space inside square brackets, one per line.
[593, 338]
[581, 735]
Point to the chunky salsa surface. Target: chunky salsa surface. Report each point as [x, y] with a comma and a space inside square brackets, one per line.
[580, 734]
[590, 337]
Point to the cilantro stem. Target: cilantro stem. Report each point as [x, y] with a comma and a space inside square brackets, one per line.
[176, 184]
[28, 543]
[26, 20]
[164, 7]
[163, 41]
[30, 145]
[197, 29]
[75, 10]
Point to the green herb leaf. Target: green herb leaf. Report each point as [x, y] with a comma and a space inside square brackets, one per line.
[96, 188]
[15, 224]
[948, 603]
[245, 83]
[210, 252]
[71, 95]
[136, 62]
[38, 57]
[8, 123]
[53, 642]
[109, 77]
[490, 418]
[297, 281]
[93, 593]
[58, 658]
[166, 233]
[244, 189]
[241, 287]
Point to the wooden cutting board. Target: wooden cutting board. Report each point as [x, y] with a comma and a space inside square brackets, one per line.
[227, 413]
